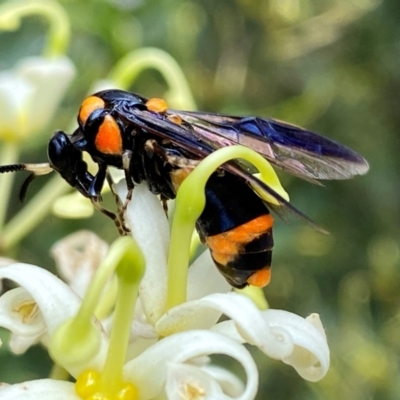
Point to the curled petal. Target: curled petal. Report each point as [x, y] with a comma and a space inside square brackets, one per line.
[310, 356]
[19, 314]
[56, 303]
[77, 257]
[230, 383]
[150, 228]
[275, 342]
[150, 370]
[187, 381]
[310, 352]
[44, 389]
[54, 298]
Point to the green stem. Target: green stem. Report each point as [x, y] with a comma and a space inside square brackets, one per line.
[32, 213]
[130, 271]
[58, 373]
[59, 31]
[8, 155]
[190, 201]
[128, 68]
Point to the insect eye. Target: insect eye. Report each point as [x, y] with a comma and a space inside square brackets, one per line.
[61, 152]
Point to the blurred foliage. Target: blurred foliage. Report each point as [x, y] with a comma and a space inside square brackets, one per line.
[331, 66]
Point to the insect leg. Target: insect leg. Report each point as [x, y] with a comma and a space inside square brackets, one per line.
[126, 165]
[121, 214]
[116, 219]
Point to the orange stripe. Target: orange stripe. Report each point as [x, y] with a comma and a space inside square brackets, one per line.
[260, 278]
[89, 105]
[225, 246]
[108, 139]
[228, 242]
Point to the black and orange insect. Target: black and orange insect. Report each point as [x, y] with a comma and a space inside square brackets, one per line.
[152, 143]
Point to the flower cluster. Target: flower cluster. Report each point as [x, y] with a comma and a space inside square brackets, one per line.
[130, 321]
[166, 351]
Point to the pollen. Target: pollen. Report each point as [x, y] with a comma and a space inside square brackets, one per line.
[193, 392]
[157, 105]
[89, 387]
[28, 310]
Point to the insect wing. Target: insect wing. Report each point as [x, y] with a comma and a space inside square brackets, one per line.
[289, 147]
[182, 135]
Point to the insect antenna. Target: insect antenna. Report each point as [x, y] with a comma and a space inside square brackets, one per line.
[35, 169]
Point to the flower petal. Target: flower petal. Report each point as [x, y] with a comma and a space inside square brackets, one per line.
[44, 389]
[20, 315]
[204, 278]
[50, 79]
[78, 256]
[230, 383]
[150, 228]
[54, 298]
[56, 302]
[310, 356]
[189, 382]
[275, 343]
[149, 371]
[15, 96]
[310, 353]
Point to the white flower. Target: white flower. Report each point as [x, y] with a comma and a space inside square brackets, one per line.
[30, 94]
[176, 367]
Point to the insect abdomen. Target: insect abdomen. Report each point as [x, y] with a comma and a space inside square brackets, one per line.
[237, 227]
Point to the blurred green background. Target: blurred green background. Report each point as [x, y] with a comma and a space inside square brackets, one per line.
[331, 66]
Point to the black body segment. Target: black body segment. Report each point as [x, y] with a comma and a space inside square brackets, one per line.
[152, 143]
[237, 227]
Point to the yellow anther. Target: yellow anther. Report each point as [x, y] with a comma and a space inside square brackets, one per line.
[100, 396]
[89, 387]
[87, 384]
[128, 392]
[28, 310]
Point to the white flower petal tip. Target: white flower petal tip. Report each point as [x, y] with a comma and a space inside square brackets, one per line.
[150, 371]
[247, 322]
[77, 257]
[39, 390]
[150, 228]
[20, 314]
[54, 299]
[30, 94]
[310, 356]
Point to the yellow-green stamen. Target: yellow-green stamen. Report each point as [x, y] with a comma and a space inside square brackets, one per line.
[77, 340]
[190, 201]
[129, 67]
[59, 32]
[108, 384]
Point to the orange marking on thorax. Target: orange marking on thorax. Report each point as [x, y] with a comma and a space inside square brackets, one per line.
[260, 278]
[157, 105]
[89, 105]
[108, 139]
